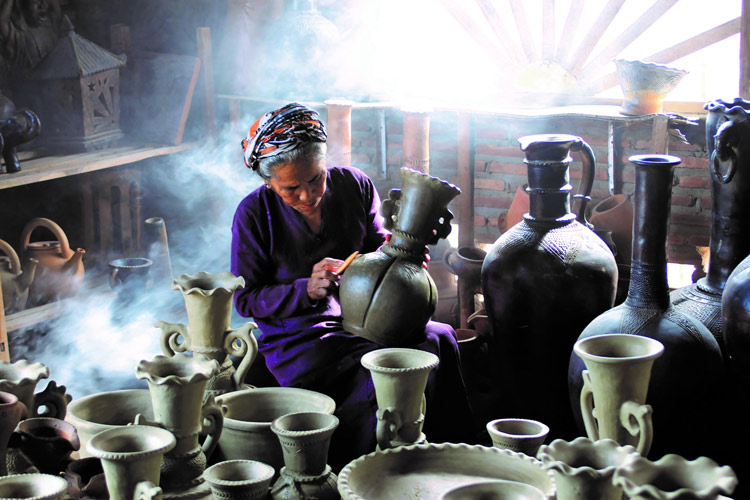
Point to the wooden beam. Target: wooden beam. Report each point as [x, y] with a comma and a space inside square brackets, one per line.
[466, 179]
[209, 98]
[606, 16]
[4, 350]
[468, 24]
[570, 29]
[519, 13]
[548, 29]
[502, 33]
[745, 51]
[660, 135]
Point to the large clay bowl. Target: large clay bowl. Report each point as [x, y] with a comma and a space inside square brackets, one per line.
[248, 415]
[431, 470]
[107, 410]
[497, 489]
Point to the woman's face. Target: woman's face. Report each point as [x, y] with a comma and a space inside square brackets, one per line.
[301, 184]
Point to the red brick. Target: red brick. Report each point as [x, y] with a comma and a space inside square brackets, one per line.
[369, 141]
[690, 220]
[508, 168]
[444, 146]
[599, 194]
[492, 221]
[480, 220]
[361, 125]
[684, 255]
[493, 201]
[483, 183]
[628, 176]
[498, 133]
[677, 239]
[360, 158]
[706, 204]
[491, 149]
[394, 127]
[694, 162]
[677, 145]
[693, 182]
[699, 240]
[683, 200]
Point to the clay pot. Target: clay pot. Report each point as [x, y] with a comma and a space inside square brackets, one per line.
[494, 490]
[518, 208]
[517, 434]
[130, 277]
[20, 378]
[248, 415]
[615, 215]
[645, 85]
[47, 442]
[14, 282]
[32, 486]
[11, 412]
[86, 480]
[95, 413]
[466, 263]
[156, 246]
[239, 479]
[59, 272]
[584, 469]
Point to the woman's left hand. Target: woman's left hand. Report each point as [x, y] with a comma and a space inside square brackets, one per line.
[323, 280]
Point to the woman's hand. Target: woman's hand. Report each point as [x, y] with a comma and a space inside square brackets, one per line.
[323, 280]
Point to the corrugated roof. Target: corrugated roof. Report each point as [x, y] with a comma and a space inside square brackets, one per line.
[76, 57]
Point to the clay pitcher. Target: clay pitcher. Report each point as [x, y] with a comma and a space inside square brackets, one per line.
[131, 458]
[11, 412]
[208, 300]
[20, 378]
[46, 442]
[400, 379]
[14, 282]
[177, 385]
[59, 273]
[387, 296]
[33, 486]
[305, 439]
[615, 384]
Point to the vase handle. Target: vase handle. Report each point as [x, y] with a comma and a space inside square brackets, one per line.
[587, 407]
[636, 419]
[54, 399]
[213, 423]
[240, 342]
[389, 422]
[170, 332]
[587, 179]
[725, 140]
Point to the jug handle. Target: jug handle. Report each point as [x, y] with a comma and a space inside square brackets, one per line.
[54, 399]
[146, 490]
[240, 342]
[587, 179]
[389, 422]
[15, 262]
[587, 407]
[636, 419]
[65, 250]
[725, 140]
[170, 332]
[213, 422]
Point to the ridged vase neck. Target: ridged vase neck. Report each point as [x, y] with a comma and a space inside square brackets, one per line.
[651, 208]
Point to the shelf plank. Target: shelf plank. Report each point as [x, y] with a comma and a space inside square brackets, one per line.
[55, 167]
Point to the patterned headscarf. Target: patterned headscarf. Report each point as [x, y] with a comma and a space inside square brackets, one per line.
[280, 131]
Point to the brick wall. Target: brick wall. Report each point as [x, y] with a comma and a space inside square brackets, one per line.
[499, 168]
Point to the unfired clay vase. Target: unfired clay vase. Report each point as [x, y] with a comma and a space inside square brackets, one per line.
[434, 469]
[208, 300]
[496, 489]
[248, 415]
[177, 385]
[131, 457]
[615, 384]
[32, 486]
[400, 378]
[584, 469]
[239, 479]
[517, 434]
[20, 378]
[46, 442]
[14, 282]
[674, 478]
[59, 272]
[98, 412]
[645, 85]
[305, 439]
[156, 246]
[11, 412]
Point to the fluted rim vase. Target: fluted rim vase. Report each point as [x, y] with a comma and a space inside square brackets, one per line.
[33, 486]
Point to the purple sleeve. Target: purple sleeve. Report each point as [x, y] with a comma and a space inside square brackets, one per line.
[375, 232]
[252, 262]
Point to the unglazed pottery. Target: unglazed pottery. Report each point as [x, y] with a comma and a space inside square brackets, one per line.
[387, 296]
[615, 385]
[615, 214]
[239, 479]
[59, 272]
[584, 469]
[684, 380]
[430, 470]
[517, 434]
[46, 442]
[177, 385]
[86, 480]
[645, 85]
[494, 490]
[208, 300]
[466, 263]
[33, 487]
[400, 377]
[14, 282]
[131, 458]
[20, 378]
[305, 439]
[156, 246]
[248, 415]
[98, 412]
[11, 412]
[130, 276]
[544, 280]
[672, 477]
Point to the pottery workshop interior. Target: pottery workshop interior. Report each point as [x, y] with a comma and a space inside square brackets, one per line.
[371, 249]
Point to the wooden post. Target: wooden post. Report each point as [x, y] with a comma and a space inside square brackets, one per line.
[339, 132]
[235, 115]
[745, 50]
[209, 98]
[4, 349]
[660, 135]
[466, 209]
[416, 150]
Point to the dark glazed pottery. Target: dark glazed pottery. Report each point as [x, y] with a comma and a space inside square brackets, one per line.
[728, 139]
[16, 127]
[684, 379]
[388, 296]
[544, 280]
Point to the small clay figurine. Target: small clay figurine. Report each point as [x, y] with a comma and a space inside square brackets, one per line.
[16, 127]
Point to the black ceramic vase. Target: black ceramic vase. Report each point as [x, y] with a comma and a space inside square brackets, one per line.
[388, 296]
[728, 140]
[16, 127]
[543, 281]
[684, 378]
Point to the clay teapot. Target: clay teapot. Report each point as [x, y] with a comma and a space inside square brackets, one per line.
[59, 273]
[14, 282]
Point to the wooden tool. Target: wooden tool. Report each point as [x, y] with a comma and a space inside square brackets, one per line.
[349, 260]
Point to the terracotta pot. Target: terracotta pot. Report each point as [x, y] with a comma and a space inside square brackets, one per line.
[518, 208]
[20, 378]
[11, 412]
[47, 442]
[14, 282]
[517, 434]
[615, 214]
[239, 479]
[59, 272]
[33, 486]
[645, 85]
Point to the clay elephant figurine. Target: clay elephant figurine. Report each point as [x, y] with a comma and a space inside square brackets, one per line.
[16, 127]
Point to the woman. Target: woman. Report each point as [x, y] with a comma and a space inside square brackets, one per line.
[288, 238]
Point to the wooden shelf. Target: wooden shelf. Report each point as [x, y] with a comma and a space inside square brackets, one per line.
[44, 168]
